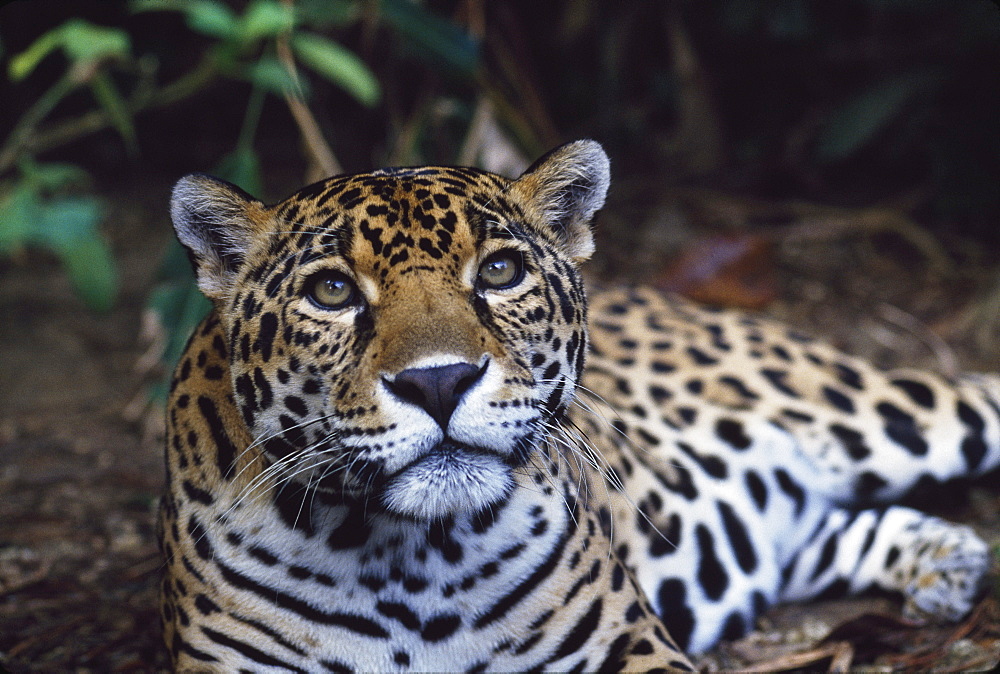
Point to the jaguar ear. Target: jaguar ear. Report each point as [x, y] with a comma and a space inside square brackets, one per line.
[215, 221]
[564, 189]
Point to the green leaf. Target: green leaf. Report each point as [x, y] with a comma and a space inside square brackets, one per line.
[213, 19]
[437, 38]
[24, 63]
[81, 40]
[84, 41]
[68, 227]
[265, 19]
[854, 124]
[268, 74]
[207, 17]
[91, 268]
[338, 65]
[113, 103]
[63, 221]
[51, 176]
[138, 6]
[242, 168]
[18, 213]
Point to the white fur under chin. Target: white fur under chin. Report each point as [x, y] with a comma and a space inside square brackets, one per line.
[447, 481]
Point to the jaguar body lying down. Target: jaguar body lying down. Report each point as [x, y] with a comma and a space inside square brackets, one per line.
[398, 443]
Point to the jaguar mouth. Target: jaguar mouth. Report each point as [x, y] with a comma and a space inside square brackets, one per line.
[449, 479]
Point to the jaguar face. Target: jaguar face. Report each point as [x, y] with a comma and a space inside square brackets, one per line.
[401, 337]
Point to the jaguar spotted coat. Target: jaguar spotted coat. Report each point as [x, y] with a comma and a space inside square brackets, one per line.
[392, 447]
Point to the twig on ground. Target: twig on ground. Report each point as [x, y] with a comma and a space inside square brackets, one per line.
[818, 222]
[841, 655]
[947, 361]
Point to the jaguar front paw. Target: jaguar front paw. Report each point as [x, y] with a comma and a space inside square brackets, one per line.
[948, 573]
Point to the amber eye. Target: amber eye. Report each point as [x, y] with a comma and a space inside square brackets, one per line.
[331, 290]
[503, 269]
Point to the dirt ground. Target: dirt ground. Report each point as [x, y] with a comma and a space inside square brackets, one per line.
[81, 466]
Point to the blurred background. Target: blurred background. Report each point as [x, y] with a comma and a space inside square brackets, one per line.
[833, 164]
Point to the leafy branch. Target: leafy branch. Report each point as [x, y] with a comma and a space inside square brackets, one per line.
[39, 210]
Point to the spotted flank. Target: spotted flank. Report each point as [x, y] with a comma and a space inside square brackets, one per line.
[402, 442]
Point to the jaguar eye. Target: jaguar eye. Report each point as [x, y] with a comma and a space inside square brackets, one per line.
[503, 269]
[331, 290]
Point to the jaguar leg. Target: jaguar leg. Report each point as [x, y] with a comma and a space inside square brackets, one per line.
[937, 566]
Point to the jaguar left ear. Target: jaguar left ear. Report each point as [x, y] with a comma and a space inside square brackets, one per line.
[565, 188]
[215, 221]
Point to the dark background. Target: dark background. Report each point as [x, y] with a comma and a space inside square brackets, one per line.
[764, 90]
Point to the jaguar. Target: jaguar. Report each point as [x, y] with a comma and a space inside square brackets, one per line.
[401, 440]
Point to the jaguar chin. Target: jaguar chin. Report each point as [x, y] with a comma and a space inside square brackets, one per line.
[450, 478]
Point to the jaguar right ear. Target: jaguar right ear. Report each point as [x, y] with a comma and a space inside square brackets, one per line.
[563, 190]
[215, 221]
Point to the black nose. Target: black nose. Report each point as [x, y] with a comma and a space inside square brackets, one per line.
[437, 390]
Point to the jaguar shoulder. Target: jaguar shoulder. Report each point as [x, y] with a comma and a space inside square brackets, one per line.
[394, 444]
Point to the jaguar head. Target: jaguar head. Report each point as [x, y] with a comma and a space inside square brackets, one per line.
[404, 336]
